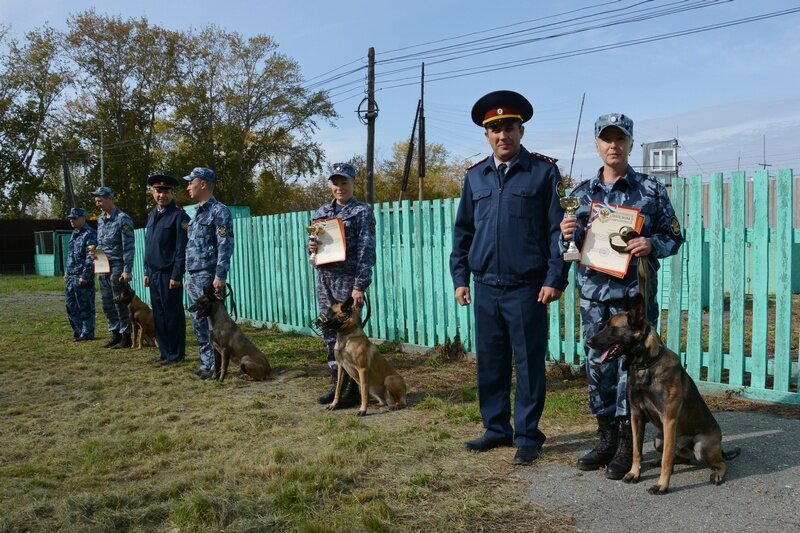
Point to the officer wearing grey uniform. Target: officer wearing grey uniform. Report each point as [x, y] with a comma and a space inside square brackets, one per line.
[602, 295]
[506, 237]
[351, 277]
[115, 238]
[208, 254]
[79, 277]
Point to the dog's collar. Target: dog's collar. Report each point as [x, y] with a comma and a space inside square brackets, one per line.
[652, 361]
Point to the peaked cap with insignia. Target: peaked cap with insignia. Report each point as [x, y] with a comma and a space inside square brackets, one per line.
[501, 105]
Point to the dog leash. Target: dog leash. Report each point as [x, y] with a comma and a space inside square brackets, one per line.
[228, 291]
[626, 233]
[312, 324]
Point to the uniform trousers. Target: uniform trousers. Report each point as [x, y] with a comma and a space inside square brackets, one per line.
[511, 325]
[168, 316]
[608, 382]
[196, 285]
[117, 314]
[79, 301]
[332, 287]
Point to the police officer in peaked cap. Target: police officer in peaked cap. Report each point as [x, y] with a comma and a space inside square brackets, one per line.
[506, 239]
[164, 265]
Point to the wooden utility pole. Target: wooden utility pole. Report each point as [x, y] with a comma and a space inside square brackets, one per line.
[67, 179]
[575, 146]
[371, 115]
[421, 151]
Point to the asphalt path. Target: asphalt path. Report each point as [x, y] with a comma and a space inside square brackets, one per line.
[761, 490]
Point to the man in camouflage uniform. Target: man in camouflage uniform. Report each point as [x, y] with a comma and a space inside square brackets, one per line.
[208, 254]
[115, 238]
[79, 277]
[602, 295]
[351, 277]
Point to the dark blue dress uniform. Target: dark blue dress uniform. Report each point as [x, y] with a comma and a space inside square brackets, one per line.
[164, 260]
[506, 235]
[79, 299]
[602, 295]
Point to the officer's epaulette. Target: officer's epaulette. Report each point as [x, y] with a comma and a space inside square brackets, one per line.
[550, 160]
[478, 163]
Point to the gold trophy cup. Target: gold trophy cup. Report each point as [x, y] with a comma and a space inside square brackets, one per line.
[570, 204]
[313, 230]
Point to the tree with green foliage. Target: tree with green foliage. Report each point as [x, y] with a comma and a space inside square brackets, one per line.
[442, 179]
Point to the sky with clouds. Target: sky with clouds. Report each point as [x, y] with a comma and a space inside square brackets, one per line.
[724, 93]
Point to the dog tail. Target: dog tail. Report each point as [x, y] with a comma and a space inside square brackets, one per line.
[733, 454]
[289, 374]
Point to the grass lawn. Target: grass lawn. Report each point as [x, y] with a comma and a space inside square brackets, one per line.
[101, 440]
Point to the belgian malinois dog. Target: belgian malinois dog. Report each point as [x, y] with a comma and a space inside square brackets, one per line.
[142, 325]
[229, 342]
[660, 391]
[357, 356]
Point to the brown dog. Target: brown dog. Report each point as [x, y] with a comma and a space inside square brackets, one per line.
[142, 325]
[356, 355]
[660, 391]
[228, 341]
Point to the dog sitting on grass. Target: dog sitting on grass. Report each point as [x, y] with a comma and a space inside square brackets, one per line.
[142, 325]
[228, 340]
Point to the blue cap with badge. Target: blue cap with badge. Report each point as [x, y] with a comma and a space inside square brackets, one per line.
[617, 120]
[501, 105]
[201, 173]
[103, 191]
[345, 170]
[76, 212]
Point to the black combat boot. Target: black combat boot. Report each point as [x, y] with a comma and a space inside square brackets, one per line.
[351, 396]
[621, 463]
[603, 452]
[115, 338]
[328, 396]
[125, 341]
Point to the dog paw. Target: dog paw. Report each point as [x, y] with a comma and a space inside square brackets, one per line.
[361, 413]
[331, 407]
[657, 490]
[630, 478]
[716, 479]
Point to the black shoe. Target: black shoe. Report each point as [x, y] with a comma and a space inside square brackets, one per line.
[484, 443]
[165, 362]
[124, 342]
[80, 339]
[603, 452]
[526, 455]
[156, 360]
[623, 459]
[351, 395]
[115, 338]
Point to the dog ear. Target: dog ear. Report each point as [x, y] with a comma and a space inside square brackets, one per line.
[635, 308]
[348, 304]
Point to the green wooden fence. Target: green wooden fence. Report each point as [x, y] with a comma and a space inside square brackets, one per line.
[726, 298]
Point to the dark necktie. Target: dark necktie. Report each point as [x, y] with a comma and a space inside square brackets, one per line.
[501, 171]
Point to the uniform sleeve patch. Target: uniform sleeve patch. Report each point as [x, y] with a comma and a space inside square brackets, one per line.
[560, 189]
[222, 231]
[185, 224]
[126, 227]
[676, 226]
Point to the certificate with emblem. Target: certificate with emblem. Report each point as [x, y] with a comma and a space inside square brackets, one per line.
[101, 263]
[607, 222]
[331, 243]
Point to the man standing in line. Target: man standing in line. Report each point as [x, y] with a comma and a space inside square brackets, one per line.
[506, 235]
[79, 277]
[164, 260]
[208, 254]
[115, 238]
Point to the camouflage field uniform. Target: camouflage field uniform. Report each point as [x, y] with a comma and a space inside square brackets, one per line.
[336, 281]
[115, 238]
[602, 295]
[79, 299]
[208, 256]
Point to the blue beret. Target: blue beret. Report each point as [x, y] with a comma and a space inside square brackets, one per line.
[103, 191]
[201, 173]
[76, 212]
[618, 120]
